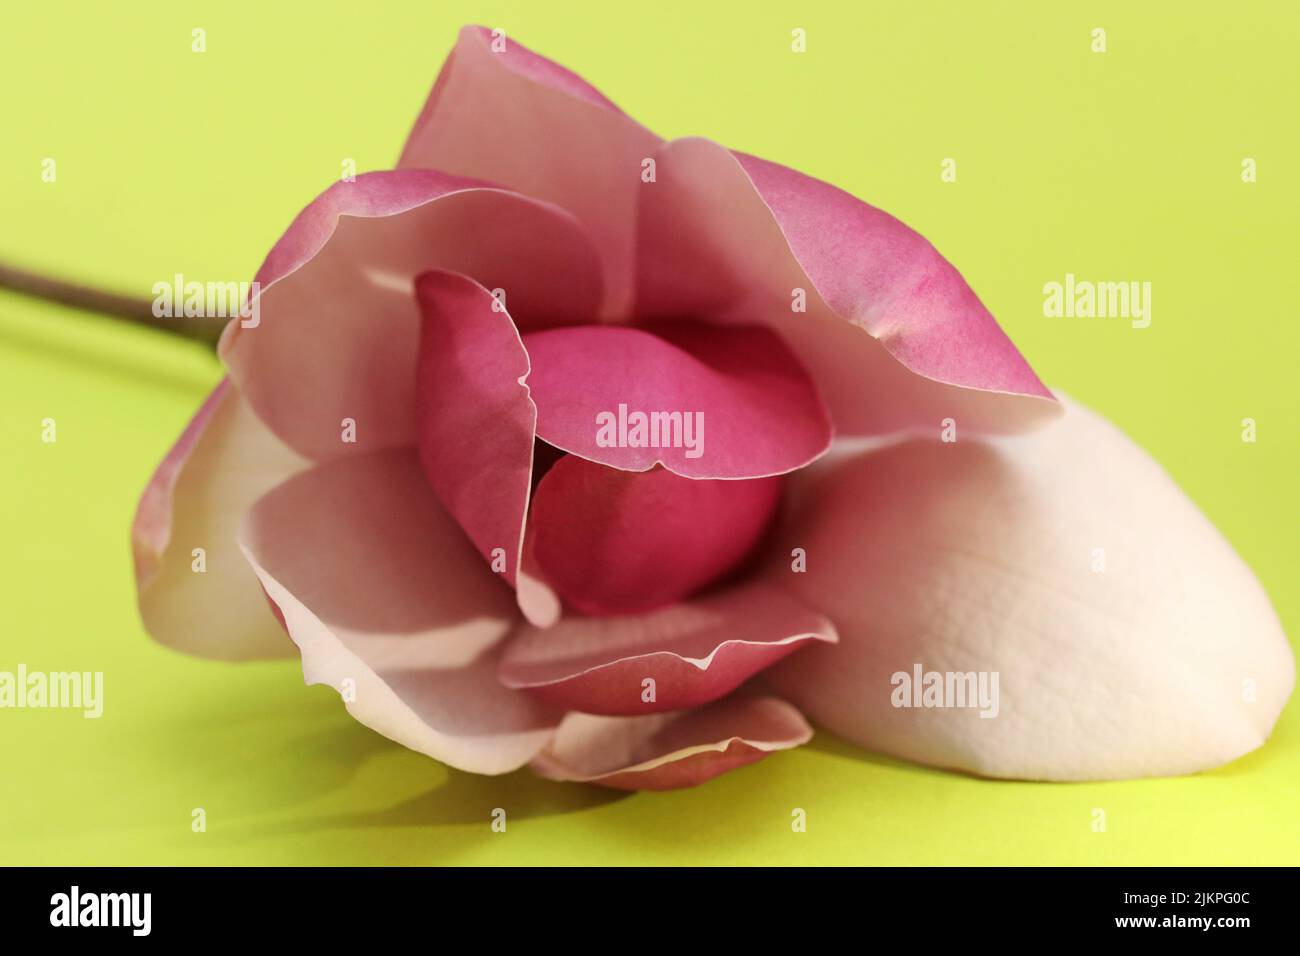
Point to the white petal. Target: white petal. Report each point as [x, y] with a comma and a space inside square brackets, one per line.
[1128, 637]
[223, 462]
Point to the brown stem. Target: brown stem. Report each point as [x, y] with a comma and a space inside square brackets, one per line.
[91, 299]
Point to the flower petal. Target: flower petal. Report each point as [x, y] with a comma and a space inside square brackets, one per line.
[518, 119]
[619, 542]
[744, 406]
[694, 652]
[1128, 637]
[337, 327]
[667, 751]
[473, 414]
[223, 461]
[390, 606]
[733, 238]
[537, 599]
[474, 417]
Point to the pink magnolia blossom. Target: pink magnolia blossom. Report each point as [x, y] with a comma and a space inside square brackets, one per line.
[404, 471]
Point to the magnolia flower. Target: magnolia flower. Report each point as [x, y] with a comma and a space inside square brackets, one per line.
[564, 446]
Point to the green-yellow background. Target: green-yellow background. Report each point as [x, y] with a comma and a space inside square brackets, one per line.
[1120, 165]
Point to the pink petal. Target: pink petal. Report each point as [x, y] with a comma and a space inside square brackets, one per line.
[520, 120]
[338, 328]
[473, 414]
[694, 653]
[1128, 638]
[221, 464]
[537, 599]
[390, 606]
[753, 409]
[667, 751]
[617, 542]
[730, 237]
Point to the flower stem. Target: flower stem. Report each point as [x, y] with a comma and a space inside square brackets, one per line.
[139, 311]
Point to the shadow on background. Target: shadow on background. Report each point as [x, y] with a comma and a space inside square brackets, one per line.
[105, 345]
[296, 753]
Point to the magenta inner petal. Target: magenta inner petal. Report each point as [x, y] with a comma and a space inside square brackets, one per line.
[473, 417]
[704, 401]
[618, 542]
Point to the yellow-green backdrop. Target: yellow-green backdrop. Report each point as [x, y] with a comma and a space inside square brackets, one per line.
[1125, 164]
